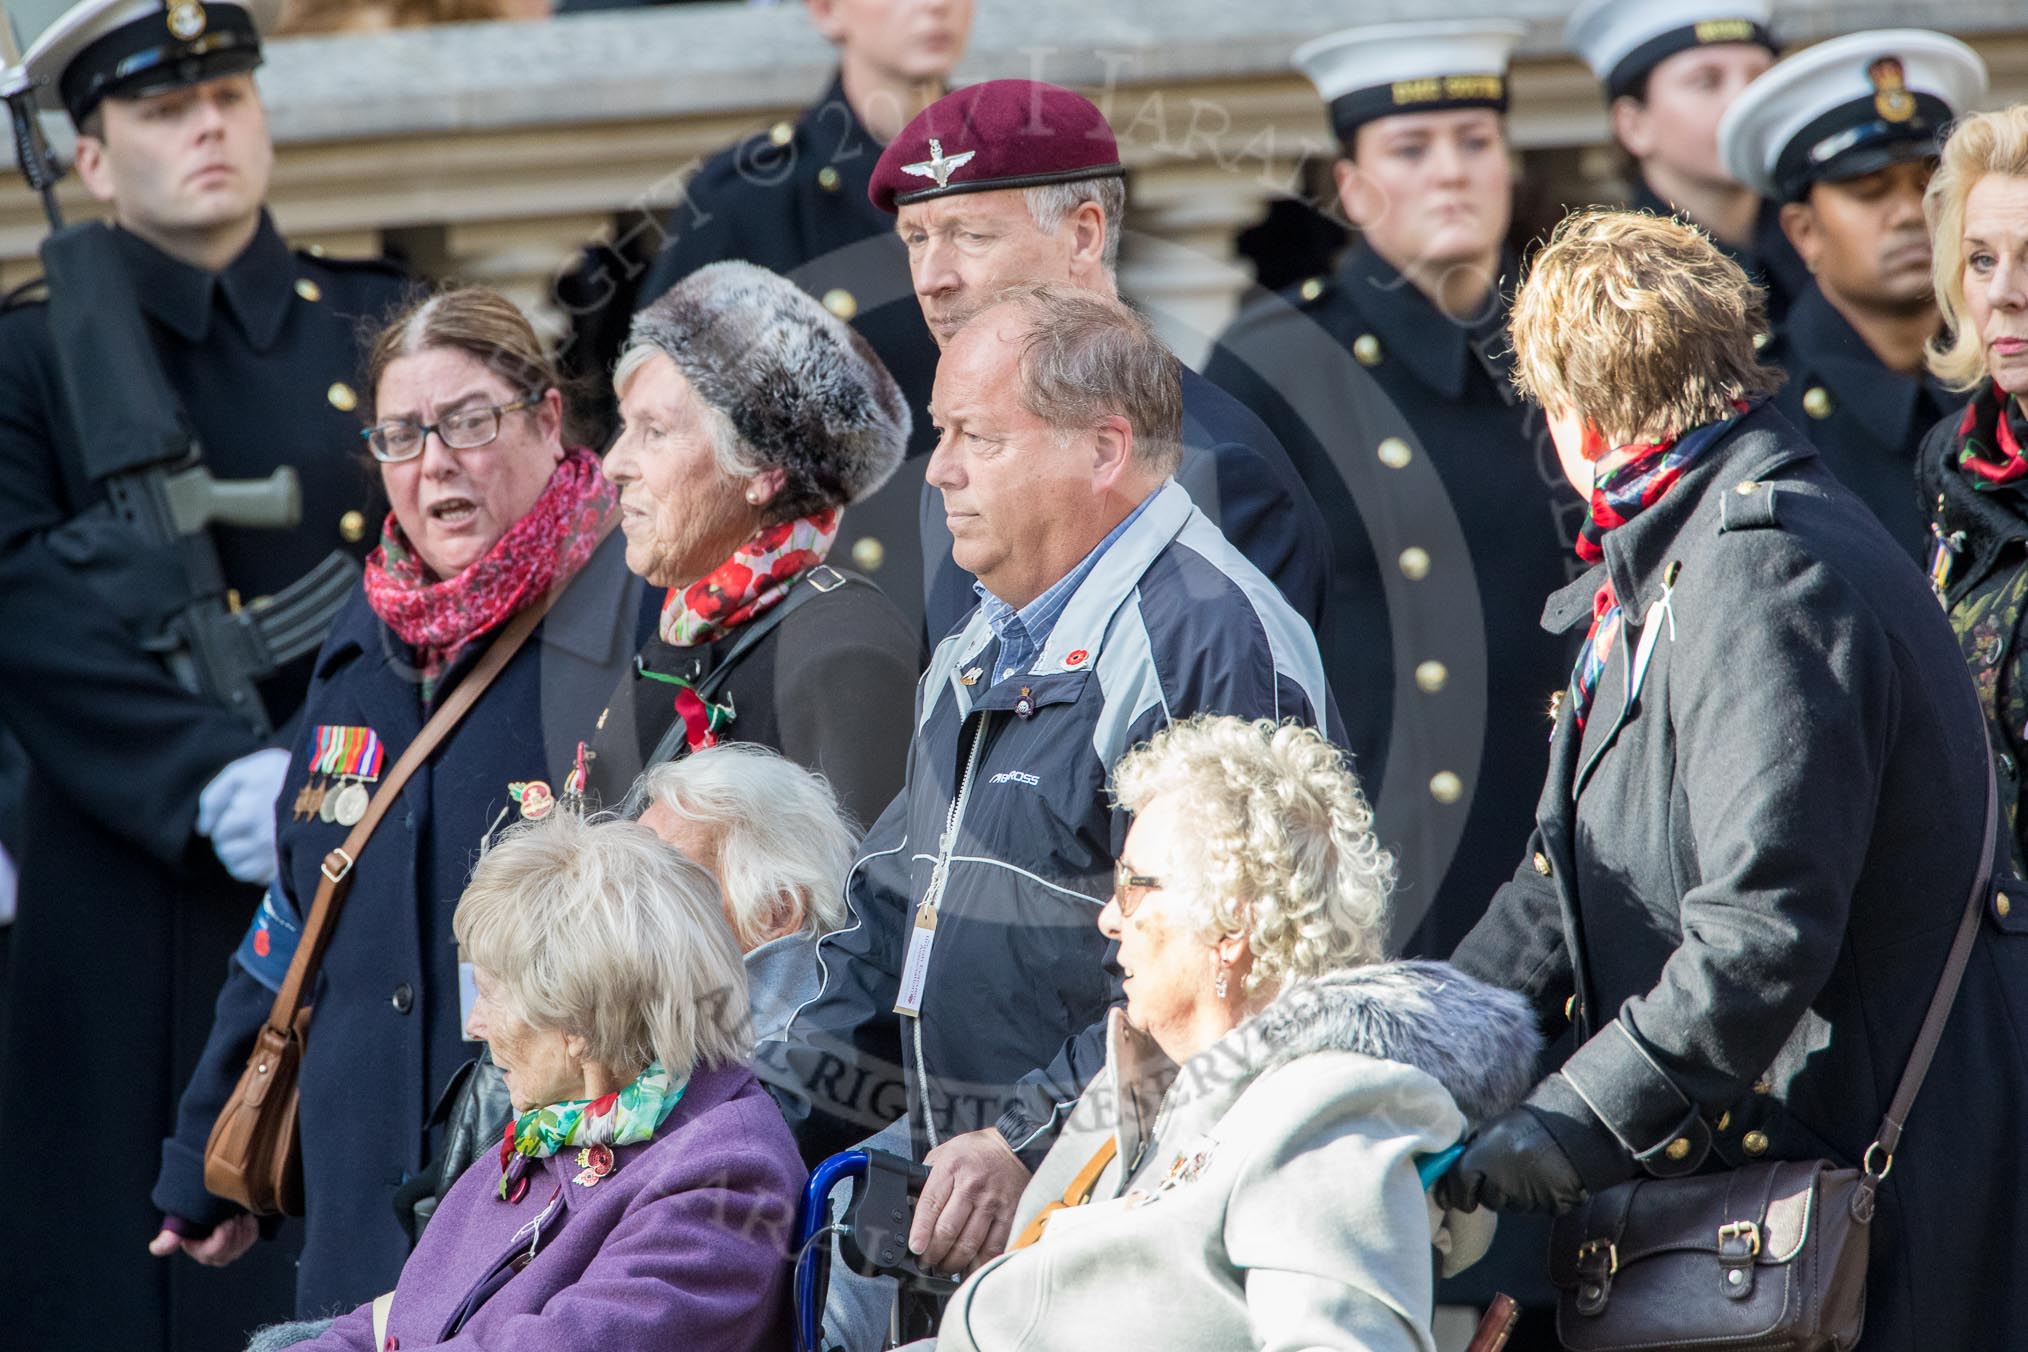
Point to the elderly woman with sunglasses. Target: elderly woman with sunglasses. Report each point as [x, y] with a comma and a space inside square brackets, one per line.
[1245, 1171]
[493, 509]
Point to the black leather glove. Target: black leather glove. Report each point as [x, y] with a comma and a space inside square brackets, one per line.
[1513, 1164]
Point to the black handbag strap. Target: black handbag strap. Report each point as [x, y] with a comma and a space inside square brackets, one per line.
[817, 582]
[1879, 1156]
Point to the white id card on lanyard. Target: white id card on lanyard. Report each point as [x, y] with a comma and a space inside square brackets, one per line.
[915, 969]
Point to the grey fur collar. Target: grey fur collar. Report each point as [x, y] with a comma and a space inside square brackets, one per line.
[1477, 1041]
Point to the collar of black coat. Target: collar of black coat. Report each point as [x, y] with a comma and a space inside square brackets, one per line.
[1989, 518]
[836, 137]
[258, 286]
[1636, 554]
[1823, 343]
[1438, 349]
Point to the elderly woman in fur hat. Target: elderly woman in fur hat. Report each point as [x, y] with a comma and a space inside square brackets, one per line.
[751, 419]
[1244, 1171]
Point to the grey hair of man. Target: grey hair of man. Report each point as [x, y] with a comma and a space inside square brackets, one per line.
[782, 383]
[1085, 357]
[1050, 204]
[783, 843]
[594, 927]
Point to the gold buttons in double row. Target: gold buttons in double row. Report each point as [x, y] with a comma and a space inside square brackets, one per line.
[1311, 289]
[868, 554]
[1414, 563]
[1678, 1149]
[1430, 676]
[1446, 787]
[1754, 1143]
[782, 133]
[1366, 350]
[342, 396]
[1394, 453]
[309, 290]
[827, 179]
[1817, 402]
[1542, 863]
[352, 527]
[841, 303]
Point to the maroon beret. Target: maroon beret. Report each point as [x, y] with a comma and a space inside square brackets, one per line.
[1000, 134]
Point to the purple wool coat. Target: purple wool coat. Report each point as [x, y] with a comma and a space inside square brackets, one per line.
[684, 1244]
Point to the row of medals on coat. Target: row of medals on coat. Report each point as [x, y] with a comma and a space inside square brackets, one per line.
[343, 761]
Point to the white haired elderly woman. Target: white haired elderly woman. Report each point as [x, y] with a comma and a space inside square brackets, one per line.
[645, 1188]
[751, 418]
[773, 836]
[1244, 1172]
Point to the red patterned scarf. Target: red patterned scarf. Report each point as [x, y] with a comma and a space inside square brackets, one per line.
[440, 617]
[1991, 435]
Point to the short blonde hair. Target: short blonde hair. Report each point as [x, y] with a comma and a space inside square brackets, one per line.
[780, 833]
[1980, 144]
[1640, 325]
[1282, 846]
[595, 927]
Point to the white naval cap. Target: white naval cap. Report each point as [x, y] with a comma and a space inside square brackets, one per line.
[1384, 69]
[133, 48]
[1848, 107]
[1622, 40]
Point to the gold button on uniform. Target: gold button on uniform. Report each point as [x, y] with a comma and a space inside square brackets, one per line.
[342, 396]
[868, 554]
[1817, 402]
[1414, 563]
[315, 251]
[1745, 487]
[2002, 905]
[352, 527]
[1430, 676]
[308, 289]
[782, 133]
[841, 303]
[1542, 864]
[1678, 1149]
[1394, 453]
[827, 179]
[1754, 1143]
[1446, 787]
[1366, 350]
[1763, 1085]
[1311, 289]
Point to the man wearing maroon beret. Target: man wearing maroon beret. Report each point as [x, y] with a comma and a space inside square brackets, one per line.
[1014, 181]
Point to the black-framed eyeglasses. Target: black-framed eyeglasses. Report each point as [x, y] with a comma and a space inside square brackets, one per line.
[1129, 887]
[461, 430]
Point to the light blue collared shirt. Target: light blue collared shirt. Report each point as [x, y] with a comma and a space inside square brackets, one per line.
[1024, 633]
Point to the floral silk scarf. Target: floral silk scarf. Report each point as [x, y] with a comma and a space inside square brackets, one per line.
[1992, 433]
[628, 1116]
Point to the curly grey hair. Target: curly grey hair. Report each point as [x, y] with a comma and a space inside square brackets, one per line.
[1281, 848]
[785, 384]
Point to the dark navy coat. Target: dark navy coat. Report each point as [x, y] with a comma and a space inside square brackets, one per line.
[1238, 475]
[1866, 420]
[793, 200]
[1748, 866]
[127, 919]
[387, 1032]
[1450, 521]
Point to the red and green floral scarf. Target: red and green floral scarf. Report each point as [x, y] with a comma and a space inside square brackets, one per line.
[1992, 432]
[441, 617]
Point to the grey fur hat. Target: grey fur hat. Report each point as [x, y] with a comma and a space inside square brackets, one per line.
[801, 388]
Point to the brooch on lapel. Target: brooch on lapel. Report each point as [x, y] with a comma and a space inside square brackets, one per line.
[594, 1163]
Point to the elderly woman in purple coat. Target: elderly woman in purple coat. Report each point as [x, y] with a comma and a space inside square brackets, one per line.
[643, 1194]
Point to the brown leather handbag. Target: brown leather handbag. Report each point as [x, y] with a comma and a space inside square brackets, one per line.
[1770, 1256]
[252, 1157]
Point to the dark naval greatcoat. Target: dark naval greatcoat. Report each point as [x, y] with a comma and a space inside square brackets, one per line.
[1449, 522]
[1748, 866]
[127, 919]
[1865, 419]
[793, 200]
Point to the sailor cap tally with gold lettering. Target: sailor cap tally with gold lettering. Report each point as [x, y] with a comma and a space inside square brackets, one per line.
[1623, 40]
[1847, 107]
[135, 48]
[1386, 69]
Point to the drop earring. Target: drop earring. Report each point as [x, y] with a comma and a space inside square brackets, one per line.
[1220, 987]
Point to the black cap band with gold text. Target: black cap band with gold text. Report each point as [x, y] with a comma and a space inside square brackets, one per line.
[1631, 69]
[1436, 93]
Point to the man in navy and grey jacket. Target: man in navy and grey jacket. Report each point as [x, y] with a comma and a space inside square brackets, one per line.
[969, 988]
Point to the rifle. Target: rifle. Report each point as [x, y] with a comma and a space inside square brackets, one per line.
[148, 548]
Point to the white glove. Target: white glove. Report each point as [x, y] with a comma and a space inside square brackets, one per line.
[237, 810]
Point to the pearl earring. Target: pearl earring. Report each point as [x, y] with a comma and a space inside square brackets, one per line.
[1219, 989]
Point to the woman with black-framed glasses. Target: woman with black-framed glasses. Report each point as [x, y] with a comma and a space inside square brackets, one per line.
[492, 509]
